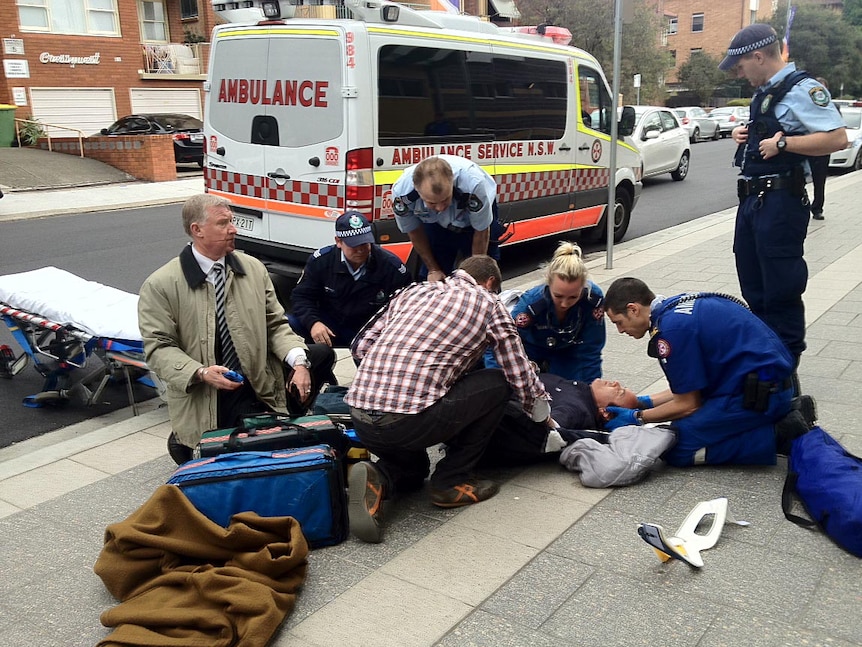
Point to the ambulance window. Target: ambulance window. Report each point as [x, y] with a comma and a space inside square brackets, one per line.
[595, 99]
[427, 94]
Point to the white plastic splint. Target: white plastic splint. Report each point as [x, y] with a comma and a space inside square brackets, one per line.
[686, 544]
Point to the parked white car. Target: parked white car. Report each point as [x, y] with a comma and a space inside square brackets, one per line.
[850, 157]
[729, 118]
[662, 141]
[697, 123]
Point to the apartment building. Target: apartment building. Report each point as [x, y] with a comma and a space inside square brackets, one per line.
[699, 25]
[84, 63]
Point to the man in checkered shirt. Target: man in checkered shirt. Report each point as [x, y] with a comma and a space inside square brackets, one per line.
[414, 388]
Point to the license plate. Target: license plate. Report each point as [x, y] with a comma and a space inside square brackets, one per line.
[246, 224]
[197, 137]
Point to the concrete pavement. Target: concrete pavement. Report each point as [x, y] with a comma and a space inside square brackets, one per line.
[547, 562]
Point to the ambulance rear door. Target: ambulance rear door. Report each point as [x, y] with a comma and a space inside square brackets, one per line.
[278, 136]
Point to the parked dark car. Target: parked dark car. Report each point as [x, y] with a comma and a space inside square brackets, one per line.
[186, 131]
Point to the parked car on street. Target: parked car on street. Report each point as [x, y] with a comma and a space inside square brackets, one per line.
[697, 123]
[729, 118]
[187, 132]
[662, 141]
[850, 157]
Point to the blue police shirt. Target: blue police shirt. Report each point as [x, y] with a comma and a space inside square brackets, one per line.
[798, 112]
[711, 343]
[469, 179]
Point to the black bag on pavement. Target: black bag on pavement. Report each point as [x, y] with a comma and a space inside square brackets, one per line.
[270, 431]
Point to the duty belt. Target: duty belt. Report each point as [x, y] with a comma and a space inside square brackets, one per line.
[376, 418]
[754, 186]
[458, 230]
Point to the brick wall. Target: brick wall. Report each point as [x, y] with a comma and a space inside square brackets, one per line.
[721, 21]
[149, 157]
[120, 57]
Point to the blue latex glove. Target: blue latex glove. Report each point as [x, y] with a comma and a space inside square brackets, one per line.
[645, 402]
[621, 418]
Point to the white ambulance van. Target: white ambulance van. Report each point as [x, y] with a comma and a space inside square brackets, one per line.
[308, 117]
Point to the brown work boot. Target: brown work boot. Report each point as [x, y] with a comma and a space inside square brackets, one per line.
[365, 502]
[466, 493]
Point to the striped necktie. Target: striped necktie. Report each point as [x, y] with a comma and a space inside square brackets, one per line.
[228, 352]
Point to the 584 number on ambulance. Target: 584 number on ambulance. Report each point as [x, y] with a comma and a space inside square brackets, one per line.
[308, 117]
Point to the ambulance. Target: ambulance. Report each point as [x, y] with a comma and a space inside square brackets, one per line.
[308, 117]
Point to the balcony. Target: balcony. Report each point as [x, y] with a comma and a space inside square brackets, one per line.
[176, 60]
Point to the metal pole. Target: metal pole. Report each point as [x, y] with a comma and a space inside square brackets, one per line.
[612, 180]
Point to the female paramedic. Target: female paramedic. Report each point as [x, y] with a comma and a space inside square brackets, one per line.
[561, 322]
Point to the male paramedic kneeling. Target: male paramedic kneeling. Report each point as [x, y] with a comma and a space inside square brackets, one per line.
[211, 310]
[731, 393]
[414, 388]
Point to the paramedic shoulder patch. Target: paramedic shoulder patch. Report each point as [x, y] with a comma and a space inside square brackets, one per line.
[662, 346]
[523, 320]
[819, 96]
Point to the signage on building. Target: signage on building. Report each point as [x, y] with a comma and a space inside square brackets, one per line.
[16, 68]
[68, 59]
[19, 96]
[13, 46]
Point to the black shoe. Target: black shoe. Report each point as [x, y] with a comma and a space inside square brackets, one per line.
[788, 429]
[818, 215]
[179, 452]
[806, 405]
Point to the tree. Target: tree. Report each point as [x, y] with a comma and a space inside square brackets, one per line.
[592, 25]
[700, 74]
[823, 44]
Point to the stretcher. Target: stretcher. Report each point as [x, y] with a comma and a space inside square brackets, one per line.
[79, 335]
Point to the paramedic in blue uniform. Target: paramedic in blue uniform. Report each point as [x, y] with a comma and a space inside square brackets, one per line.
[792, 117]
[730, 376]
[344, 284]
[447, 206]
[562, 321]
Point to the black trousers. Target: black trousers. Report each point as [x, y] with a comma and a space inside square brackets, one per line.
[464, 419]
[819, 171]
[234, 405]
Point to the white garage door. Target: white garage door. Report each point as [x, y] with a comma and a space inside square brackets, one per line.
[87, 109]
[186, 101]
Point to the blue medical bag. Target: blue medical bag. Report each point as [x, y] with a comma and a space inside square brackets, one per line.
[305, 483]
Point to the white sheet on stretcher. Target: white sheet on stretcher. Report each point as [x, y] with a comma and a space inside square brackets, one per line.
[66, 298]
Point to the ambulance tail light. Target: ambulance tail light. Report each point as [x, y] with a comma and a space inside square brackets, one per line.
[360, 181]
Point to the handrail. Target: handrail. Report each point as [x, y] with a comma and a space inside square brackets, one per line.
[81, 135]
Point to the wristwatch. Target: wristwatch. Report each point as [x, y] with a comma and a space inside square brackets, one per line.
[302, 361]
[781, 143]
[639, 416]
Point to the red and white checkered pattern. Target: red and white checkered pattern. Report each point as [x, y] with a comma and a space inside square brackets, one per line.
[513, 187]
[591, 178]
[315, 194]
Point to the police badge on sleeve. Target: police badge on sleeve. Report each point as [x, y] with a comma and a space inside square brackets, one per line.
[819, 96]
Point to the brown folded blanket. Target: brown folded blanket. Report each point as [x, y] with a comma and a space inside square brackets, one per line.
[185, 581]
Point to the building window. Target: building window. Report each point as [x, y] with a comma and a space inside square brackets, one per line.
[188, 9]
[154, 24]
[696, 22]
[672, 25]
[69, 16]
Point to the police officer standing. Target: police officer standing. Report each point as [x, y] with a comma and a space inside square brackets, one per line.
[792, 118]
[447, 206]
